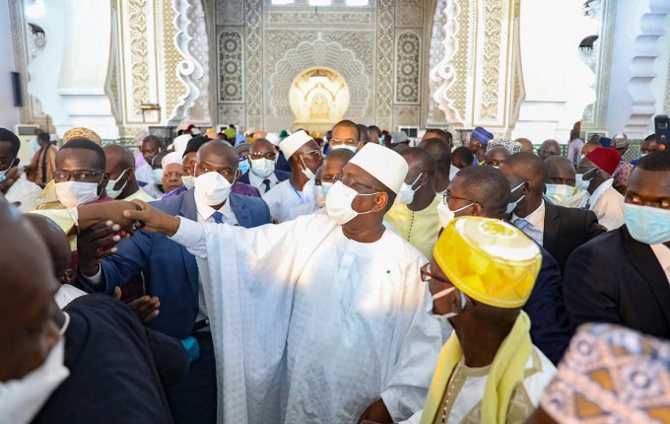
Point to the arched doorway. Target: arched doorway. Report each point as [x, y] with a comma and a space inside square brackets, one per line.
[319, 98]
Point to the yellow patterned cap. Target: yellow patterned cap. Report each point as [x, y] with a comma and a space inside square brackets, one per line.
[489, 260]
[82, 132]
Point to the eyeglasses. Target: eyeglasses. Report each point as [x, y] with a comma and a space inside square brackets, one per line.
[426, 275]
[351, 183]
[448, 196]
[315, 153]
[260, 155]
[348, 141]
[81, 176]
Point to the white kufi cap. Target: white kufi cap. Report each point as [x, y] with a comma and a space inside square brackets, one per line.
[382, 163]
[180, 143]
[171, 158]
[293, 142]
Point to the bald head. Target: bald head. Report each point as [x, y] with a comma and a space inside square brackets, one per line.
[526, 145]
[589, 147]
[27, 330]
[217, 152]
[118, 158]
[333, 164]
[440, 151]
[485, 185]
[419, 161]
[346, 129]
[55, 239]
[496, 156]
[559, 170]
[261, 145]
[549, 148]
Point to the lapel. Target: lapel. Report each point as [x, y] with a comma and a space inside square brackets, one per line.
[189, 211]
[644, 260]
[552, 227]
[241, 212]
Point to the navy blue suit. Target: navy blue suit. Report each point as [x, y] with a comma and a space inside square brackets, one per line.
[281, 176]
[118, 367]
[171, 273]
[549, 325]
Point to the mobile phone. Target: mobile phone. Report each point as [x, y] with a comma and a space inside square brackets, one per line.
[662, 129]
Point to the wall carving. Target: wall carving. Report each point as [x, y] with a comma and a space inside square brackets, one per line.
[409, 13]
[230, 12]
[435, 115]
[254, 63]
[452, 68]
[231, 114]
[139, 68]
[230, 66]
[309, 18]
[408, 68]
[385, 38]
[174, 88]
[493, 12]
[406, 115]
[319, 54]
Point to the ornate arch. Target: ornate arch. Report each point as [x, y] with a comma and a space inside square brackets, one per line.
[313, 55]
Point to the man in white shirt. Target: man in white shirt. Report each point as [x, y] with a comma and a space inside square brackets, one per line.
[151, 146]
[623, 276]
[321, 319]
[263, 159]
[305, 157]
[13, 182]
[597, 168]
[575, 148]
[120, 165]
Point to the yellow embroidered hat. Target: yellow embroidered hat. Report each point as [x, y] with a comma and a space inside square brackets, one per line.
[489, 260]
[82, 132]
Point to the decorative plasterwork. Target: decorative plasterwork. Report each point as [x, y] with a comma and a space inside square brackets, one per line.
[174, 88]
[384, 77]
[644, 100]
[231, 66]
[408, 67]
[490, 60]
[230, 12]
[254, 63]
[138, 55]
[435, 115]
[409, 13]
[311, 18]
[319, 54]
[452, 68]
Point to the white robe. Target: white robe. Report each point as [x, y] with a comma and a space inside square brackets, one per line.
[311, 327]
[283, 198]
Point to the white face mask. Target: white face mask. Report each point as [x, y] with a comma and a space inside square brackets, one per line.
[406, 193]
[21, 400]
[212, 188]
[453, 170]
[306, 171]
[74, 193]
[110, 186]
[345, 146]
[262, 167]
[189, 181]
[339, 201]
[451, 314]
[446, 215]
[512, 205]
[560, 194]
[581, 183]
[158, 176]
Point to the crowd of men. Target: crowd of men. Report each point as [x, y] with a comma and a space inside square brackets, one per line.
[361, 277]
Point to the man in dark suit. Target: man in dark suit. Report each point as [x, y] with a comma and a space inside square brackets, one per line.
[263, 173]
[559, 230]
[484, 191]
[623, 277]
[171, 273]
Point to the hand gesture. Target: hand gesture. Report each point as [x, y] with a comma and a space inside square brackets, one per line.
[152, 219]
[145, 307]
[96, 243]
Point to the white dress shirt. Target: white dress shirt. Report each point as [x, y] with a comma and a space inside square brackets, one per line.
[257, 181]
[535, 227]
[662, 253]
[607, 204]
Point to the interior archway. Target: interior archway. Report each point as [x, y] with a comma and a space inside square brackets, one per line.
[319, 97]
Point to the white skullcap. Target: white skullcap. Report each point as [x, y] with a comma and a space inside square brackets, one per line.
[273, 138]
[53, 137]
[293, 142]
[170, 158]
[180, 143]
[382, 163]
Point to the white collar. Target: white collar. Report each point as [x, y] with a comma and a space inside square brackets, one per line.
[599, 192]
[66, 323]
[205, 211]
[662, 253]
[535, 218]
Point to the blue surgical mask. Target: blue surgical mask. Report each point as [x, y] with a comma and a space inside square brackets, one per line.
[158, 176]
[325, 186]
[647, 224]
[243, 166]
[512, 205]
[344, 146]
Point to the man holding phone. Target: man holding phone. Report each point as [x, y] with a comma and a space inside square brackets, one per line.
[13, 182]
